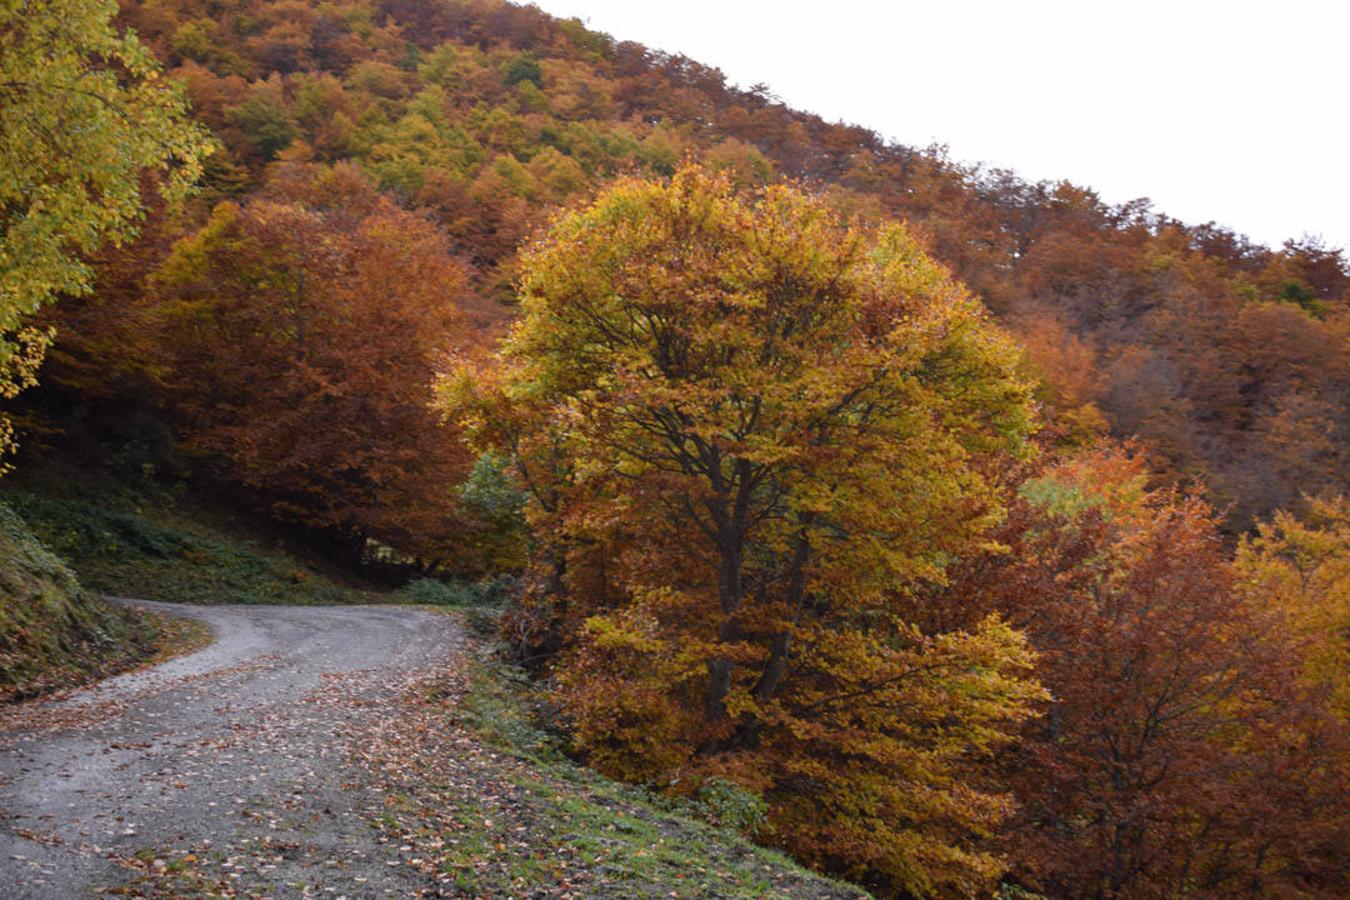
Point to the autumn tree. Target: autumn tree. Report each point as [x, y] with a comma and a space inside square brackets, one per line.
[772, 426]
[297, 338]
[1180, 752]
[516, 428]
[1301, 566]
[1298, 568]
[83, 113]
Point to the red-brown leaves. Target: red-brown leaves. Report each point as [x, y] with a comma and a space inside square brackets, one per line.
[1166, 761]
[299, 339]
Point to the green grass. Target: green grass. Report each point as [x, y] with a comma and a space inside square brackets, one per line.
[132, 537]
[53, 633]
[486, 592]
[627, 841]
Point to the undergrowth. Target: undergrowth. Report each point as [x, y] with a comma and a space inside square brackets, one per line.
[653, 843]
[132, 537]
[487, 592]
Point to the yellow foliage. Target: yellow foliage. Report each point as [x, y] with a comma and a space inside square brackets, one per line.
[749, 429]
[1301, 568]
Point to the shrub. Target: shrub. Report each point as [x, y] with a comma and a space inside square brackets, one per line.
[435, 592]
[727, 805]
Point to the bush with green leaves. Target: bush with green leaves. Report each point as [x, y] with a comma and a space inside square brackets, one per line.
[435, 592]
[491, 496]
[727, 805]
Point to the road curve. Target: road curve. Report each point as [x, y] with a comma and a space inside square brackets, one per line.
[243, 750]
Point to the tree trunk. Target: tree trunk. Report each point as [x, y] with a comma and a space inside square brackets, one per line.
[781, 642]
[729, 595]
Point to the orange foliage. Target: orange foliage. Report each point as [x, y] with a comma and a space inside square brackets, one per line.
[741, 424]
[296, 339]
[484, 114]
[1181, 752]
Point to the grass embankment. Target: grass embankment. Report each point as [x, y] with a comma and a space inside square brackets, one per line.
[551, 827]
[55, 634]
[130, 536]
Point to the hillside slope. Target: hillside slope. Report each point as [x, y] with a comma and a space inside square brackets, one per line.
[1228, 358]
[52, 632]
[130, 535]
[304, 347]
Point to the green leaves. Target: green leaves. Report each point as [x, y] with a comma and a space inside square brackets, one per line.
[83, 113]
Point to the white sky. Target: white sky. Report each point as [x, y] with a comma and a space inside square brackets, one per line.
[1235, 111]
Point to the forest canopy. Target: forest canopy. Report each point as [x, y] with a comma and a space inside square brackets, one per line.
[1227, 358]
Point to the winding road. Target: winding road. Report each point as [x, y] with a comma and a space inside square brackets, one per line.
[247, 751]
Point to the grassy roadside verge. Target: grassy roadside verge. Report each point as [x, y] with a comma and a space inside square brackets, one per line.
[497, 809]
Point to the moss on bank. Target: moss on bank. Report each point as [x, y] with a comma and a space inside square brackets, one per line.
[53, 633]
[130, 536]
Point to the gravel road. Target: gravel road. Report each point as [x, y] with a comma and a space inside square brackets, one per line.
[242, 751]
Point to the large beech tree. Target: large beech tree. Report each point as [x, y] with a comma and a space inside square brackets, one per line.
[763, 427]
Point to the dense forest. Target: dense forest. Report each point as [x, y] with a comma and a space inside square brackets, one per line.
[991, 536]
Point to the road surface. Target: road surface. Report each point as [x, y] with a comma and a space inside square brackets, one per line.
[245, 752]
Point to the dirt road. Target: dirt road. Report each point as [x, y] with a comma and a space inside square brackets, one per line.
[242, 751]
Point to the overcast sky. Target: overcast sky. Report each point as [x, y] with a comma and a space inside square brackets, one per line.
[1235, 111]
